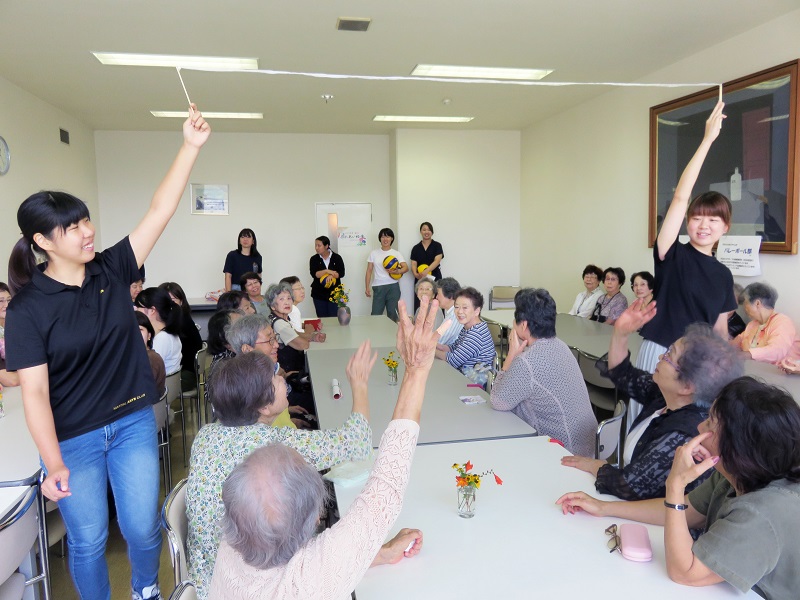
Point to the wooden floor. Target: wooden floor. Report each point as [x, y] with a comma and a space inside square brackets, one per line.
[116, 552]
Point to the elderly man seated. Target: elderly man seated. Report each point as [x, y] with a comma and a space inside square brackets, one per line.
[273, 501]
[248, 396]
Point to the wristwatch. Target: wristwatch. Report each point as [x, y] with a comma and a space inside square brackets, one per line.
[676, 506]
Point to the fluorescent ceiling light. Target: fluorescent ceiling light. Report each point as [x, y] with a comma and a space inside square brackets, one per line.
[182, 114]
[479, 72]
[413, 119]
[171, 60]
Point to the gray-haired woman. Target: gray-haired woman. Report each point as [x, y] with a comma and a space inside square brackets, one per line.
[540, 380]
[770, 336]
[272, 554]
[676, 399]
[292, 343]
[428, 288]
[248, 396]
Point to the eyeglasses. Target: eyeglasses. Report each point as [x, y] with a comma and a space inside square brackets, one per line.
[615, 543]
[666, 358]
[272, 341]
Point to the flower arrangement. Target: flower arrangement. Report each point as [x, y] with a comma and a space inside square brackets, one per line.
[391, 363]
[473, 480]
[340, 296]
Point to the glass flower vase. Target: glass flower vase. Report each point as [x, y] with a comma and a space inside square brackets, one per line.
[466, 502]
[392, 376]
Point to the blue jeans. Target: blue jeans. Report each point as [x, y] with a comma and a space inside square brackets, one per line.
[125, 453]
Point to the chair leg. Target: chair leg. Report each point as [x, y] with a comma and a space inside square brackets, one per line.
[183, 429]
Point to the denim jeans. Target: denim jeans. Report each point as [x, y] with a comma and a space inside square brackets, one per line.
[125, 453]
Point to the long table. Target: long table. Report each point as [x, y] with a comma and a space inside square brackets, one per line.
[20, 458]
[447, 418]
[518, 545]
[590, 336]
[380, 330]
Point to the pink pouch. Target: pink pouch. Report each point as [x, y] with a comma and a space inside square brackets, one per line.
[635, 542]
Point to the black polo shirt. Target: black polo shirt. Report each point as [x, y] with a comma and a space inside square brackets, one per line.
[89, 339]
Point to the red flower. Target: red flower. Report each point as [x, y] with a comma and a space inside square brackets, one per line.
[461, 481]
[498, 480]
[468, 466]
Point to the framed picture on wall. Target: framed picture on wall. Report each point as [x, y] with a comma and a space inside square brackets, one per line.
[752, 162]
[208, 199]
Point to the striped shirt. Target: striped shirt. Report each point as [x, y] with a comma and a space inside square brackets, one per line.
[473, 345]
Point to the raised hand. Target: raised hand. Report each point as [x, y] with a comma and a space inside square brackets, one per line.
[195, 128]
[416, 341]
[714, 122]
[634, 318]
[360, 365]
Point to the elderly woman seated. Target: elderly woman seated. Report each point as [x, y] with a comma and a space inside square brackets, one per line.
[586, 300]
[248, 396]
[749, 508]
[292, 343]
[676, 398]
[253, 333]
[540, 380]
[770, 336]
[428, 287]
[298, 295]
[251, 285]
[279, 558]
[473, 351]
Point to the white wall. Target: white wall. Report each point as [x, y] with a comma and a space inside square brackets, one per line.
[274, 182]
[39, 161]
[467, 184]
[585, 173]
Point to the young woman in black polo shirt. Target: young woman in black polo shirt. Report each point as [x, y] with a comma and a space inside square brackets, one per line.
[86, 380]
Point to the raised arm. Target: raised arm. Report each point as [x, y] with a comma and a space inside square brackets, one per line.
[358, 370]
[416, 343]
[168, 195]
[629, 322]
[680, 200]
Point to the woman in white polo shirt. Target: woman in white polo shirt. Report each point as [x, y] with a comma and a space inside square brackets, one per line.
[385, 289]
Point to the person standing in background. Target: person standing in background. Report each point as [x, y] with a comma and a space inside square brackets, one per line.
[245, 258]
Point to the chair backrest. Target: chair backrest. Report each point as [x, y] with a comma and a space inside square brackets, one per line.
[173, 386]
[174, 521]
[200, 365]
[19, 530]
[502, 296]
[161, 411]
[609, 435]
[184, 591]
[590, 373]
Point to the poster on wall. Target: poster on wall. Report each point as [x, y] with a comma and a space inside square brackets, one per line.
[209, 199]
[740, 254]
[352, 239]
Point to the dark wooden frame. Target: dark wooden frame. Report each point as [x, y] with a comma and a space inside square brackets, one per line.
[728, 142]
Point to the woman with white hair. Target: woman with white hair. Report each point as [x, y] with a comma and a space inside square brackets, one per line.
[272, 504]
[770, 336]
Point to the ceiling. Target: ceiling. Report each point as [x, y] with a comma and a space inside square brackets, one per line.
[46, 47]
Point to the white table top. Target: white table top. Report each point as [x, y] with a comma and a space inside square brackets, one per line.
[380, 330]
[518, 545]
[590, 336]
[445, 417]
[19, 458]
[774, 376]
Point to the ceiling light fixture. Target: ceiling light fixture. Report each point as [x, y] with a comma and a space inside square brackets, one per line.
[182, 114]
[464, 72]
[171, 60]
[417, 119]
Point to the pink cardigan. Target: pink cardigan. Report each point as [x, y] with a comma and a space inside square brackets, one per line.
[774, 343]
[331, 564]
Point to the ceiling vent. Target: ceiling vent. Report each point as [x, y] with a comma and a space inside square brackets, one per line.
[353, 23]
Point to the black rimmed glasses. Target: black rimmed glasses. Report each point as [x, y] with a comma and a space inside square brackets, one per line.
[615, 543]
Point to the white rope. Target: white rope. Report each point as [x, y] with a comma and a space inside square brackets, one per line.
[458, 80]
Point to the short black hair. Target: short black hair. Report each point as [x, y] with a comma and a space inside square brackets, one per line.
[616, 271]
[449, 287]
[217, 342]
[144, 321]
[474, 296]
[537, 307]
[249, 275]
[647, 276]
[386, 231]
[592, 270]
[428, 223]
[325, 240]
[758, 429]
[231, 300]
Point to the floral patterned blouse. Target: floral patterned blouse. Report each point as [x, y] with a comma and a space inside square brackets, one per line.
[217, 449]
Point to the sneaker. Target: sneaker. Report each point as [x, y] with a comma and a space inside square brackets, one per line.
[149, 593]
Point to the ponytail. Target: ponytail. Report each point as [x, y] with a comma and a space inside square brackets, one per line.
[168, 312]
[21, 265]
[43, 212]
